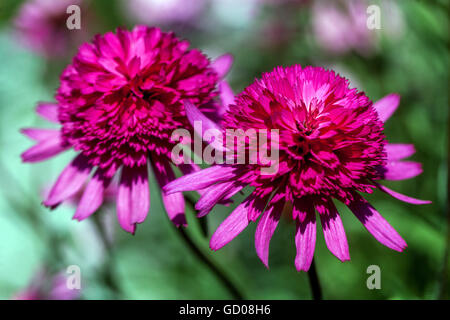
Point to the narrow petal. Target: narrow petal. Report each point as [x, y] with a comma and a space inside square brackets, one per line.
[401, 170]
[44, 149]
[399, 151]
[386, 106]
[305, 238]
[174, 203]
[38, 134]
[69, 182]
[376, 224]
[222, 64]
[48, 111]
[195, 117]
[194, 114]
[133, 199]
[265, 229]
[93, 196]
[400, 196]
[211, 197]
[200, 179]
[226, 95]
[333, 229]
[230, 227]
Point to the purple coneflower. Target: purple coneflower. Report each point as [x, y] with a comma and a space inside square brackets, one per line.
[331, 146]
[48, 286]
[118, 104]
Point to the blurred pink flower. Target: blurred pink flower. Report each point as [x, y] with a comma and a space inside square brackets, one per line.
[157, 12]
[331, 146]
[47, 286]
[341, 26]
[118, 104]
[41, 25]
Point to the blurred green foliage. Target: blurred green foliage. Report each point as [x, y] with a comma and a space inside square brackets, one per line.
[156, 263]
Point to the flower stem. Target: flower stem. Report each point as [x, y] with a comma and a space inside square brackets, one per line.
[108, 272]
[202, 221]
[232, 289]
[314, 282]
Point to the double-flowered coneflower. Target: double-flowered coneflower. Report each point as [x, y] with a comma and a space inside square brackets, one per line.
[331, 146]
[118, 104]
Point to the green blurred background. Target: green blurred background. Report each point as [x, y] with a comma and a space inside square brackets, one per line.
[156, 263]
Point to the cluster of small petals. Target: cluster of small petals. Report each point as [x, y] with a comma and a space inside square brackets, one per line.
[123, 94]
[330, 137]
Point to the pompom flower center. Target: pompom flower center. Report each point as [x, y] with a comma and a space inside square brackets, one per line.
[123, 95]
[330, 138]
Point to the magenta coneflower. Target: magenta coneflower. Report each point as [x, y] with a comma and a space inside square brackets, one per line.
[118, 104]
[331, 146]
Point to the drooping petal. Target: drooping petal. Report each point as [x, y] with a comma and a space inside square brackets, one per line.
[69, 181]
[222, 64]
[200, 179]
[133, 198]
[93, 196]
[230, 227]
[305, 238]
[211, 197]
[265, 229]
[38, 134]
[401, 170]
[376, 224]
[386, 106]
[174, 203]
[44, 149]
[333, 229]
[48, 111]
[399, 151]
[400, 196]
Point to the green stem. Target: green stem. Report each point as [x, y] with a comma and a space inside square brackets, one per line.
[223, 278]
[314, 282]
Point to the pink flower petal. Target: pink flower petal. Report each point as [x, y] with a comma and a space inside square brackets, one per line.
[69, 182]
[133, 199]
[265, 229]
[93, 196]
[200, 179]
[305, 239]
[195, 116]
[230, 227]
[226, 95]
[386, 106]
[401, 170]
[333, 229]
[399, 151]
[400, 196]
[211, 197]
[44, 149]
[174, 203]
[376, 224]
[48, 111]
[38, 134]
[222, 64]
